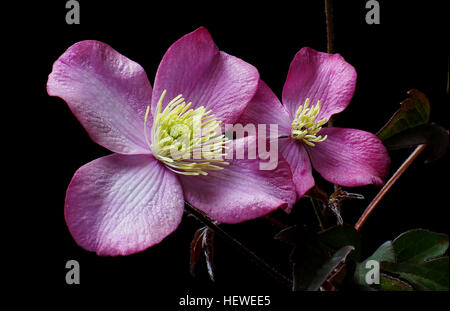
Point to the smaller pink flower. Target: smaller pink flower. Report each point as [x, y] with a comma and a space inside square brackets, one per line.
[128, 201]
[319, 85]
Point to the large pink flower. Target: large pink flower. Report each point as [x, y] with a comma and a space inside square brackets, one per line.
[347, 157]
[125, 202]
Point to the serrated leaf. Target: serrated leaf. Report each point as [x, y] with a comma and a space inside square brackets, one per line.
[384, 253]
[430, 275]
[419, 245]
[390, 283]
[433, 135]
[413, 112]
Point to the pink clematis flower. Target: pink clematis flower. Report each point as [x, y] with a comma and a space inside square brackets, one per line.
[128, 201]
[319, 85]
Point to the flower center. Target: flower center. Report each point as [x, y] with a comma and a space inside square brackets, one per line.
[304, 127]
[187, 141]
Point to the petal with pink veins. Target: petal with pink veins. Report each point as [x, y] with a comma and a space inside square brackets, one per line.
[120, 205]
[107, 92]
[319, 76]
[300, 164]
[350, 157]
[241, 191]
[194, 67]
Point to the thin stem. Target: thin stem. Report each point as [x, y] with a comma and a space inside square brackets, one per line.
[315, 205]
[238, 245]
[330, 43]
[388, 185]
[330, 29]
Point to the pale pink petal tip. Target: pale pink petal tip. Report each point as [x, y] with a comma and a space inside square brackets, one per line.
[107, 92]
[120, 205]
[194, 67]
[350, 157]
[319, 76]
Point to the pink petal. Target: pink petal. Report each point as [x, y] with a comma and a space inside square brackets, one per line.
[319, 76]
[194, 67]
[241, 191]
[265, 108]
[107, 92]
[119, 205]
[350, 157]
[299, 162]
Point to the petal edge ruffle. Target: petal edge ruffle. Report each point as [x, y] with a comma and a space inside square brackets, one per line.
[319, 76]
[194, 67]
[107, 92]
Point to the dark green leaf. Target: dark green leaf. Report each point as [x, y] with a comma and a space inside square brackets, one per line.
[295, 235]
[340, 236]
[310, 277]
[411, 257]
[288, 235]
[315, 256]
[429, 275]
[419, 245]
[431, 134]
[322, 274]
[308, 254]
[413, 112]
[307, 258]
[390, 283]
[384, 253]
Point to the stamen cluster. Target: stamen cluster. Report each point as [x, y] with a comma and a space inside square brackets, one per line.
[187, 141]
[304, 127]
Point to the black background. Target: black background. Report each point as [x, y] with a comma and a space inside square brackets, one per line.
[407, 50]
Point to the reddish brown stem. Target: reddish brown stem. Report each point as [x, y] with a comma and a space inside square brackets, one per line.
[330, 30]
[330, 43]
[388, 185]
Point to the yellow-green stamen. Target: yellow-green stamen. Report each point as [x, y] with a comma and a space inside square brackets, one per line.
[187, 141]
[304, 126]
